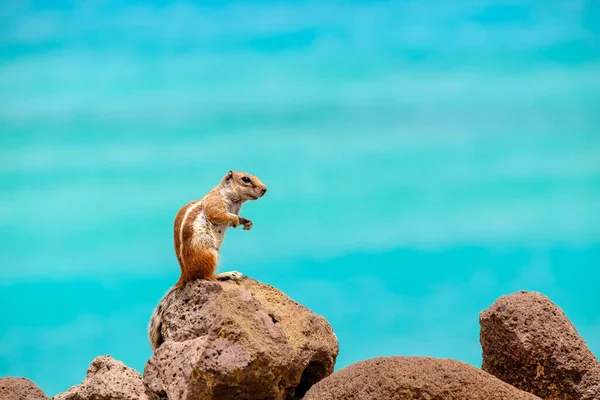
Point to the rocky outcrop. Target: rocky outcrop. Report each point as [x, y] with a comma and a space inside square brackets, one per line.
[107, 379]
[20, 389]
[245, 340]
[413, 378]
[528, 341]
[239, 340]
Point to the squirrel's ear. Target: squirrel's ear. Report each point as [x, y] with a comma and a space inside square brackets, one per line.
[229, 175]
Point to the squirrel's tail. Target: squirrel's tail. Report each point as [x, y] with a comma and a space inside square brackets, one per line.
[156, 321]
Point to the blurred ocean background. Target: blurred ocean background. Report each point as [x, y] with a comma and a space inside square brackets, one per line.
[422, 158]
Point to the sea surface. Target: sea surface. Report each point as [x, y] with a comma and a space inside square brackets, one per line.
[422, 159]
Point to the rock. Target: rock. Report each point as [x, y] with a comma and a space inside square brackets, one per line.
[413, 378]
[107, 379]
[239, 340]
[528, 342]
[20, 389]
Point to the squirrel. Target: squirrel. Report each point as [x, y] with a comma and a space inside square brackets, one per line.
[199, 230]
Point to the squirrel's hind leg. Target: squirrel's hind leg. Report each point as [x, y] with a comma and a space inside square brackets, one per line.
[233, 275]
[199, 263]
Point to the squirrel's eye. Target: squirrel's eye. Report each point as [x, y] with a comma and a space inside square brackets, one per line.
[246, 179]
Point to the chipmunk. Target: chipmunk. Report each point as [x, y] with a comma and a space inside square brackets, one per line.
[199, 230]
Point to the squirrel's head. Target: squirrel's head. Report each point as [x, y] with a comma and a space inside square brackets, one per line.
[244, 185]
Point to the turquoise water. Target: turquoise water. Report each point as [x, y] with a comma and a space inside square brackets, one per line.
[422, 159]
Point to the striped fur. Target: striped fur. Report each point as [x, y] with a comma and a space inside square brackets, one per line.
[198, 233]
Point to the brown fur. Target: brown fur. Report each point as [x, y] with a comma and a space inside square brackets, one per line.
[202, 264]
[176, 227]
[197, 249]
[199, 230]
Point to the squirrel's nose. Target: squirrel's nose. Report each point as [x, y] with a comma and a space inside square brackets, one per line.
[264, 190]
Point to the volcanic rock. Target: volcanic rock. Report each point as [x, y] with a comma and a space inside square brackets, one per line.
[20, 389]
[107, 379]
[530, 343]
[413, 378]
[240, 340]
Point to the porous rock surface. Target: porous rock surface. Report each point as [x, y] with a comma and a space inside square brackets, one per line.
[413, 378]
[529, 342]
[107, 379]
[240, 340]
[20, 389]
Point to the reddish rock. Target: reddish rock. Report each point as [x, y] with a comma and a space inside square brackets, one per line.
[529, 342]
[107, 379]
[20, 389]
[239, 340]
[413, 378]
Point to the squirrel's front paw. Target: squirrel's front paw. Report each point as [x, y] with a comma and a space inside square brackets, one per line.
[247, 223]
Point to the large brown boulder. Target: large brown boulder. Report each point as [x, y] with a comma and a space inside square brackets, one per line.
[239, 340]
[20, 389]
[528, 342]
[107, 379]
[413, 378]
